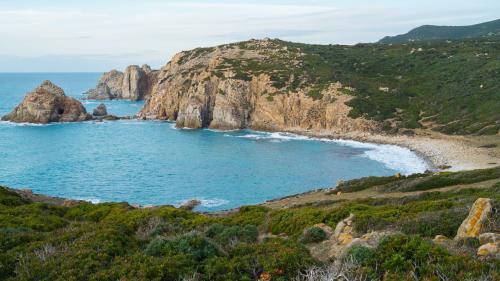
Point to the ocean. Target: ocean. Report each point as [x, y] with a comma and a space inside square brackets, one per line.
[153, 163]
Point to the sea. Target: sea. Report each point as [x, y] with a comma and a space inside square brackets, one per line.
[154, 163]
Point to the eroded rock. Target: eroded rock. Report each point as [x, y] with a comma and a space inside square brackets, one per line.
[135, 83]
[475, 222]
[45, 104]
[488, 249]
[100, 110]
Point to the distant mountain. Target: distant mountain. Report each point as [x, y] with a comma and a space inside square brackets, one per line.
[434, 32]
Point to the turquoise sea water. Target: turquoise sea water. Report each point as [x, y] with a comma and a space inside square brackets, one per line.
[151, 162]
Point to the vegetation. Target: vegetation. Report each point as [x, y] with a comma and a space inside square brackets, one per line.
[115, 241]
[433, 32]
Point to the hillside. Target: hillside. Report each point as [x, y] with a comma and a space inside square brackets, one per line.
[376, 238]
[450, 87]
[434, 32]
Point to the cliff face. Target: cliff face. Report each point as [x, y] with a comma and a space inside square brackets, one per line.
[135, 83]
[48, 103]
[208, 88]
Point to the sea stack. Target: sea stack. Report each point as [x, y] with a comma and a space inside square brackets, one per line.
[45, 104]
[135, 83]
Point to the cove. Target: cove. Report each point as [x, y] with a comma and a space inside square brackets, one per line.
[153, 163]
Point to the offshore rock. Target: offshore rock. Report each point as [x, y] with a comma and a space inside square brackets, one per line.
[135, 83]
[45, 104]
[100, 110]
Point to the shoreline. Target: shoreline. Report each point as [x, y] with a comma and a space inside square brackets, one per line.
[441, 152]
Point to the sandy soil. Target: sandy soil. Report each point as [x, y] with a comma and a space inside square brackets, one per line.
[457, 152]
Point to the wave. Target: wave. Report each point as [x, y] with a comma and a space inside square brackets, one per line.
[207, 203]
[14, 124]
[394, 157]
[91, 200]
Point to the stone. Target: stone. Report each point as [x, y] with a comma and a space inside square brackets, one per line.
[100, 110]
[108, 87]
[344, 230]
[190, 205]
[45, 104]
[134, 83]
[489, 249]
[441, 239]
[489, 237]
[474, 224]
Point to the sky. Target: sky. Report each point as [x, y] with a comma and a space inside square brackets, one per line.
[99, 35]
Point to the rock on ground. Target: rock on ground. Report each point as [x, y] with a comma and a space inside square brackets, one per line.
[45, 104]
[475, 222]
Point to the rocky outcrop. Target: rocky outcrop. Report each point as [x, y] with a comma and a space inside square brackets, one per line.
[475, 222]
[135, 83]
[100, 110]
[48, 103]
[198, 89]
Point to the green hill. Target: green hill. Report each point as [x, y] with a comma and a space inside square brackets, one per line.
[435, 32]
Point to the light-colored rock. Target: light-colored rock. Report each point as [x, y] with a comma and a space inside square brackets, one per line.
[489, 237]
[190, 205]
[189, 92]
[441, 239]
[344, 230]
[47, 103]
[135, 83]
[474, 224]
[489, 249]
[100, 110]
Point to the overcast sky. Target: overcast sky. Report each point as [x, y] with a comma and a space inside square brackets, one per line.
[98, 35]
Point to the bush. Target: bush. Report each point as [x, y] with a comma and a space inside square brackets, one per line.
[313, 235]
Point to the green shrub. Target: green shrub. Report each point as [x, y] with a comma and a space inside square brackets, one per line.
[313, 235]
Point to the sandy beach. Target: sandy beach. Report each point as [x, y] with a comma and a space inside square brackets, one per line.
[444, 152]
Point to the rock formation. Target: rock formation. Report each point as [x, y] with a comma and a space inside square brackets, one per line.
[100, 110]
[135, 83]
[198, 89]
[48, 103]
[475, 222]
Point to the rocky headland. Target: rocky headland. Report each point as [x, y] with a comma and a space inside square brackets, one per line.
[135, 83]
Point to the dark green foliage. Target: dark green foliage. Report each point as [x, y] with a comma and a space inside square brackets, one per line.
[313, 235]
[433, 32]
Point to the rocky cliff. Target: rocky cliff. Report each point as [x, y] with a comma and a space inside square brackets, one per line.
[248, 85]
[135, 83]
[48, 103]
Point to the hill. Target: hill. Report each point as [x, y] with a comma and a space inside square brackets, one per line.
[450, 87]
[376, 238]
[435, 32]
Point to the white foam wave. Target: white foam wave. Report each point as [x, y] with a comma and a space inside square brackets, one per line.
[207, 203]
[13, 124]
[394, 157]
[91, 200]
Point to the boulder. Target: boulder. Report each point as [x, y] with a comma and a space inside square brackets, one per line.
[190, 205]
[45, 104]
[344, 230]
[100, 110]
[441, 239]
[475, 222]
[489, 237]
[489, 249]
